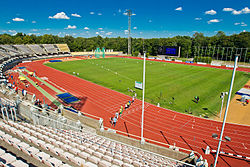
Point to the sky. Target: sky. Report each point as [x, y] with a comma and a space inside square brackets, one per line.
[150, 19]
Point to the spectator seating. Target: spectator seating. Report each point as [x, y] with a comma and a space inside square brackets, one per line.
[80, 147]
[63, 48]
[11, 50]
[37, 49]
[24, 49]
[50, 48]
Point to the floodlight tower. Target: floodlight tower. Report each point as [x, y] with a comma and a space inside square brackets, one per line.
[129, 13]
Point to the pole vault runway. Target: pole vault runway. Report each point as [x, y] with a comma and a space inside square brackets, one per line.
[163, 125]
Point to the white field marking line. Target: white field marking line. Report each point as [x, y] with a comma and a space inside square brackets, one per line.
[244, 145]
[186, 123]
[217, 128]
[136, 109]
[56, 85]
[114, 72]
[174, 116]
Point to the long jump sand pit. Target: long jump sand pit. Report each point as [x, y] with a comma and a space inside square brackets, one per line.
[238, 112]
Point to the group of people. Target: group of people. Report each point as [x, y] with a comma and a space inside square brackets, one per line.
[196, 99]
[113, 120]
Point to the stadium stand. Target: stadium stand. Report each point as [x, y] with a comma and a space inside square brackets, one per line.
[63, 48]
[50, 49]
[38, 50]
[24, 49]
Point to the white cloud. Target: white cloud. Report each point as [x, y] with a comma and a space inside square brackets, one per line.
[71, 27]
[99, 14]
[33, 22]
[92, 13]
[97, 33]
[34, 30]
[135, 28]
[235, 12]
[125, 31]
[109, 33]
[213, 21]
[150, 21]
[8, 22]
[60, 15]
[75, 15]
[211, 12]
[246, 10]
[125, 13]
[228, 9]
[47, 29]
[243, 24]
[198, 18]
[244, 31]
[179, 9]
[100, 28]
[18, 19]
[12, 31]
[86, 28]
[119, 10]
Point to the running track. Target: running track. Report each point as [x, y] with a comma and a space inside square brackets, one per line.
[160, 124]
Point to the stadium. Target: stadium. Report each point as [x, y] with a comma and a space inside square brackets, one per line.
[100, 101]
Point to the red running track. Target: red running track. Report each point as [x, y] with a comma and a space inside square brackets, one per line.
[160, 124]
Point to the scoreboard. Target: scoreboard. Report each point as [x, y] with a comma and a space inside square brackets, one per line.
[169, 50]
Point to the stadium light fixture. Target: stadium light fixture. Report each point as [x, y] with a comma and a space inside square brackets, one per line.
[222, 96]
[227, 106]
[215, 136]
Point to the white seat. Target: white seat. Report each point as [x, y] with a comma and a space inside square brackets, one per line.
[18, 163]
[94, 159]
[40, 143]
[67, 156]
[65, 165]
[6, 138]
[2, 152]
[84, 155]
[32, 150]
[57, 151]
[22, 146]
[41, 156]
[74, 151]
[53, 162]
[7, 158]
[78, 161]
[104, 163]
[118, 162]
[47, 146]
[90, 164]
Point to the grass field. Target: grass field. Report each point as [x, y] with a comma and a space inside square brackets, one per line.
[163, 81]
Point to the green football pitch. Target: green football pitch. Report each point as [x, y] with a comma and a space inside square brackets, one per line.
[174, 86]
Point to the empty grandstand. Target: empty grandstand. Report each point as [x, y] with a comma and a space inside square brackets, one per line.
[38, 50]
[63, 48]
[50, 48]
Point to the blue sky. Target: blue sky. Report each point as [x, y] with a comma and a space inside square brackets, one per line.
[152, 19]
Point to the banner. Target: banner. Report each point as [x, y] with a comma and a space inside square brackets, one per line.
[138, 85]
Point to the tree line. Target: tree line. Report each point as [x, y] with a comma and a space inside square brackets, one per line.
[187, 43]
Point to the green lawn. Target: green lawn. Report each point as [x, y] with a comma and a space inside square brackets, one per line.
[163, 81]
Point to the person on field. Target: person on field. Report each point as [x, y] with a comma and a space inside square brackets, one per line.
[247, 101]
[114, 121]
[126, 106]
[120, 113]
[133, 99]
[111, 121]
[117, 114]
